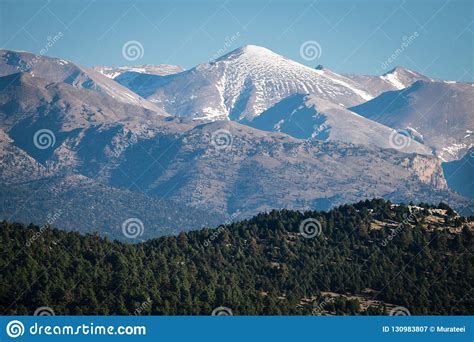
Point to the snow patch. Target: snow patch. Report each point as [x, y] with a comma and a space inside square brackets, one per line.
[393, 79]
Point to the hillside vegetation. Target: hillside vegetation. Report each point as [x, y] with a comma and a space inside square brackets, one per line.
[364, 258]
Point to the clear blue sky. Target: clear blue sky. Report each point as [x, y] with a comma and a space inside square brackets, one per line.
[355, 36]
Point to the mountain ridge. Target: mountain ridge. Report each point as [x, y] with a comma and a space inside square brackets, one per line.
[440, 111]
[60, 70]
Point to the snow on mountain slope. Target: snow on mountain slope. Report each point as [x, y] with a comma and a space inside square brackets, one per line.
[246, 82]
[308, 117]
[142, 84]
[25, 99]
[59, 70]
[395, 79]
[441, 112]
[160, 70]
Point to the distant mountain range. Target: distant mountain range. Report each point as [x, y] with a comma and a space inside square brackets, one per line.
[249, 81]
[249, 132]
[160, 70]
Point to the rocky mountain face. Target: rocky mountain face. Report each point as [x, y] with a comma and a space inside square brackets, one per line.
[78, 203]
[260, 171]
[439, 113]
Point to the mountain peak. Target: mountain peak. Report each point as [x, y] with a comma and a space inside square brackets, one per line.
[250, 51]
[400, 77]
[399, 70]
[254, 49]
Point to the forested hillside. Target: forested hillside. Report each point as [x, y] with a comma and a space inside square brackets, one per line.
[364, 258]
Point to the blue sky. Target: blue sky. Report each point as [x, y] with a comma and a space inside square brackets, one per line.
[355, 36]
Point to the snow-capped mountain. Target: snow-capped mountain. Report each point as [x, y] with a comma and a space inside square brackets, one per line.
[59, 70]
[395, 79]
[97, 154]
[160, 70]
[438, 112]
[244, 83]
[309, 117]
[120, 157]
